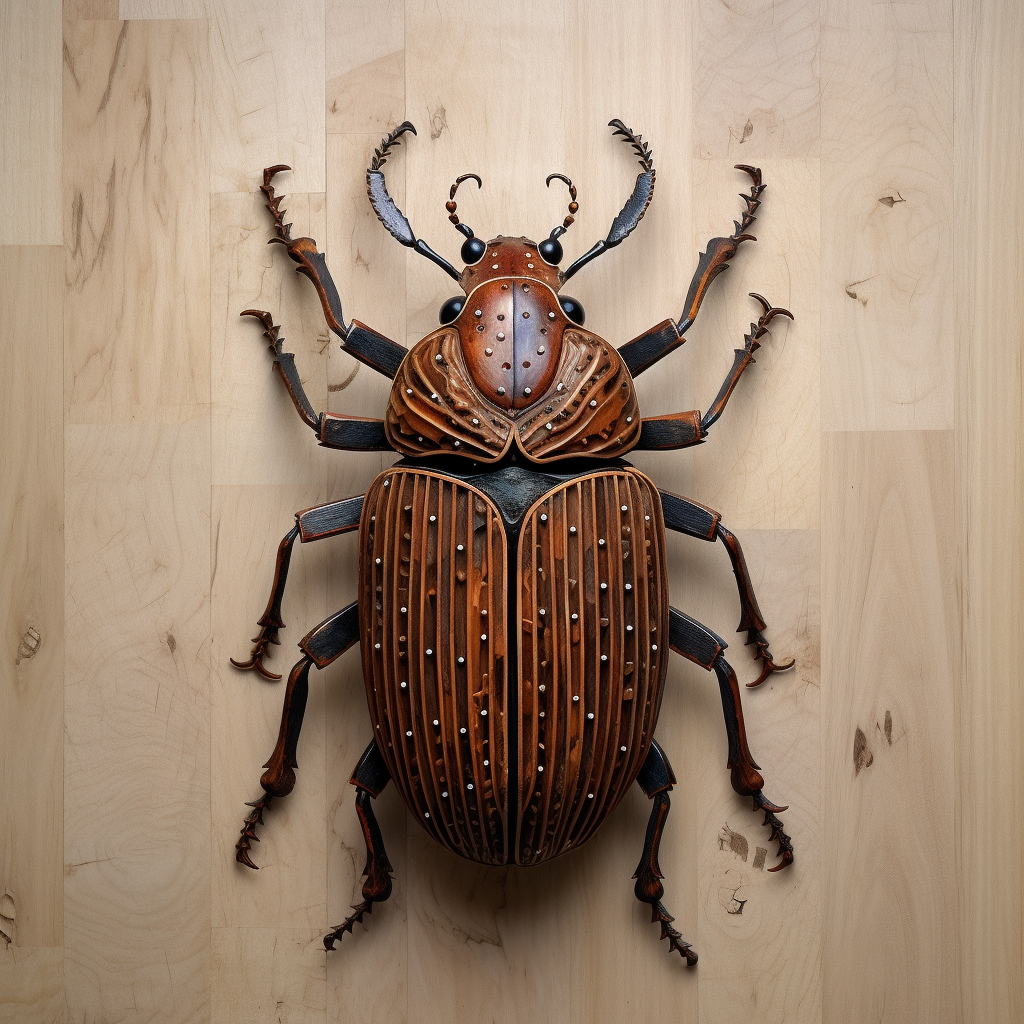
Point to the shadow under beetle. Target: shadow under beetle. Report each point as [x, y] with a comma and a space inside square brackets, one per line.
[513, 598]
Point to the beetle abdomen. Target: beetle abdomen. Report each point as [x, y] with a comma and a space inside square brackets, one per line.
[432, 580]
[593, 600]
[589, 589]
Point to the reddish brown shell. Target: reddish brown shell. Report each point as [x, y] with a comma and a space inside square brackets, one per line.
[512, 365]
[435, 581]
[593, 653]
[589, 407]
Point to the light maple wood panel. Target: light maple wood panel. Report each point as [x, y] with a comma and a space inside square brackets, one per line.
[885, 552]
[137, 721]
[136, 220]
[137, 483]
[266, 102]
[889, 673]
[887, 203]
[365, 67]
[990, 505]
[30, 111]
[32, 617]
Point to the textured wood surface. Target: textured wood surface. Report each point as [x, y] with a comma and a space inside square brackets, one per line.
[870, 463]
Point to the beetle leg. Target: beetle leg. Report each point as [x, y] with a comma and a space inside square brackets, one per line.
[695, 520]
[644, 351]
[312, 524]
[751, 619]
[703, 647]
[369, 778]
[279, 777]
[656, 779]
[270, 621]
[380, 353]
[685, 429]
[332, 431]
[335, 635]
[742, 359]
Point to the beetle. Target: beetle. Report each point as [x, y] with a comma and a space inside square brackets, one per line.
[513, 608]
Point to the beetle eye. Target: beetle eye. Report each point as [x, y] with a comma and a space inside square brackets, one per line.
[551, 251]
[472, 250]
[452, 308]
[572, 309]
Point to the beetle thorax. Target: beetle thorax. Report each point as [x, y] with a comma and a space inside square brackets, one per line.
[511, 332]
[512, 369]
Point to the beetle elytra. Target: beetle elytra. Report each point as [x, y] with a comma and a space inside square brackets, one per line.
[513, 609]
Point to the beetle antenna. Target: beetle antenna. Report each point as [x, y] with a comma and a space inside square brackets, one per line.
[385, 207]
[636, 205]
[573, 205]
[450, 205]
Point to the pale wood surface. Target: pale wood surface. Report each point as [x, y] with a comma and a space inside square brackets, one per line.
[870, 463]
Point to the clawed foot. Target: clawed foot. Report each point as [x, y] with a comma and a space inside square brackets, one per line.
[676, 943]
[360, 909]
[764, 655]
[271, 331]
[761, 803]
[760, 329]
[249, 831]
[266, 637]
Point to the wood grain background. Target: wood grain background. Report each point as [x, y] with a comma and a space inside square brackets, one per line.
[871, 463]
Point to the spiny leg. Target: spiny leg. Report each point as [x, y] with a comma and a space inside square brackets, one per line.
[360, 341]
[332, 431]
[751, 619]
[320, 647]
[644, 351]
[279, 777]
[704, 647]
[369, 778]
[656, 779]
[315, 523]
[270, 621]
[695, 520]
[743, 358]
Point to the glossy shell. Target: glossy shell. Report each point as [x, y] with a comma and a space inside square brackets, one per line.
[512, 369]
[513, 748]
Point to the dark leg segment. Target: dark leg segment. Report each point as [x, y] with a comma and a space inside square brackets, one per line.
[695, 520]
[369, 778]
[703, 647]
[279, 777]
[336, 635]
[332, 431]
[751, 619]
[656, 779]
[312, 524]
[743, 358]
[644, 351]
[270, 621]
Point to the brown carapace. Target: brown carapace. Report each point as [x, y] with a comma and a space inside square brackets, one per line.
[513, 608]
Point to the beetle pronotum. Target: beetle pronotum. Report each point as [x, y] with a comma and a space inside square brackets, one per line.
[513, 600]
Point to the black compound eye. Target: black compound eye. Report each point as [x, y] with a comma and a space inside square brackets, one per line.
[551, 251]
[452, 308]
[572, 309]
[472, 250]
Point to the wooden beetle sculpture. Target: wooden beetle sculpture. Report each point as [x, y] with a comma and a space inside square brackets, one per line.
[513, 591]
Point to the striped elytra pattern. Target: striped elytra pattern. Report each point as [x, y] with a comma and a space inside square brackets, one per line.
[593, 600]
[433, 615]
[586, 684]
